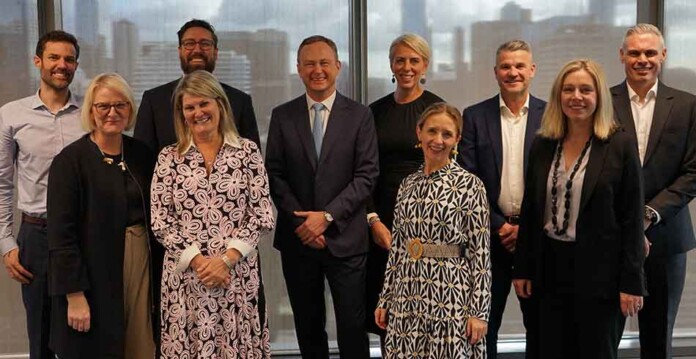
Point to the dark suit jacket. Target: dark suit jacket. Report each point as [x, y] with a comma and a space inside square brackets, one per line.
[155, 123]
[669, 167]
[481, 147]
[339, 182]
[609, 251]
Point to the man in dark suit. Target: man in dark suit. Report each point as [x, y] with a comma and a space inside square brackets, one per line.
[322, 165]
[663, 120]
[197, 51]
[497, 135]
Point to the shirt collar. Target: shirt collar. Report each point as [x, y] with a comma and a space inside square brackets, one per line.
[328, 102]
[503, 106]
[232, 141]
[73, 102]
[652, 93]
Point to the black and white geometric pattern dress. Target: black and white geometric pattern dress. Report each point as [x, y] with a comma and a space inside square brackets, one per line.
[429, 299]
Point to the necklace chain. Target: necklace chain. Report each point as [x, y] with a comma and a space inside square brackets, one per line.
[109, 160]
[568, 188]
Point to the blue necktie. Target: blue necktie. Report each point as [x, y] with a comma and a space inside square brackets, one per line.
[318, 130]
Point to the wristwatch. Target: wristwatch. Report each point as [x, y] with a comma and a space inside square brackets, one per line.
[328, 217]
[650, 215]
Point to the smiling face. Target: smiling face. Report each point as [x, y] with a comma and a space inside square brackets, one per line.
[57, 65]
[202, 115]
[642, 56]
[438, 136]
[110, 111]
[318, 68]
[579, 96]
[514, 71]
[197, 58]
[407, 66]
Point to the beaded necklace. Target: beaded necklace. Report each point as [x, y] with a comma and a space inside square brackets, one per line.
[568, 187]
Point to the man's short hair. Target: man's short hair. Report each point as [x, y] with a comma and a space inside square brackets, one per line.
[643, 28]
[197, 23]
[317, 38]
[57, 36]
[513, 45]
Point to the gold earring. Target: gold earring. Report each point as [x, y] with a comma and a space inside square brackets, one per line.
[418, 145]
[454, 152]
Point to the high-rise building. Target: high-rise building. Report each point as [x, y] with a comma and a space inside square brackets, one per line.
[125, 47]
[14, 48]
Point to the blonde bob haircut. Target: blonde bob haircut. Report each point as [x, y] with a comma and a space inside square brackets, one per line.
[415, 43]
[113, 82]
[202, 83]
[554, 122]
[442, 108]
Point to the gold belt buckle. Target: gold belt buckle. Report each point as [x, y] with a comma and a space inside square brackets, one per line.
[415, 248]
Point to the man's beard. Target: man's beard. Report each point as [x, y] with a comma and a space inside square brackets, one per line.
[187, 67]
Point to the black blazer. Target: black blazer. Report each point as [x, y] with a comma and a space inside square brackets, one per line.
[87, 214]
[669, 167]
[609, 251]
[481, 146]
[155, 123]
[339, 182]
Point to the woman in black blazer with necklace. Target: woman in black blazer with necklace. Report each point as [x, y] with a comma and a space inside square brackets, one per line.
[581, 246]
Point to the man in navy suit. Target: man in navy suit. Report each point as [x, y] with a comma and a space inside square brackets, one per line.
[663, 120]
[322, 165]
[197, 51]
[495, 143]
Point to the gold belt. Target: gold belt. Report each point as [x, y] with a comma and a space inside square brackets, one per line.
[417, 249]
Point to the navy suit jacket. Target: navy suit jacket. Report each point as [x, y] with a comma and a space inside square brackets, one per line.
[609, 249]
[339, 181]
[155, 123]
[669, 166]
[481, 146]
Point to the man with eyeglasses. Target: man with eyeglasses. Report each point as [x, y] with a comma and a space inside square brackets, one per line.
[198, 50]
[33, 130]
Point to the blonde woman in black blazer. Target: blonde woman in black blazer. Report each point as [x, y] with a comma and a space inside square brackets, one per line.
[580, 248]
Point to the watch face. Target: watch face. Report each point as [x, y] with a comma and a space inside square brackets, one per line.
[328, 216]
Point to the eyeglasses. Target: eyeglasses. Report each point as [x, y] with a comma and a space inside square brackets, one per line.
[205, 45]
[104, 108]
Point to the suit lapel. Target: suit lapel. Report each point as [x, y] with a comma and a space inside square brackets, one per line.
[495, 134]
[533, 123]
[663, 106]
[334, 128]
[594, 170]
[622, 107]
[304, 131]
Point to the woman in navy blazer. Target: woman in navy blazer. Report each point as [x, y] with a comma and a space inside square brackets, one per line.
[580, 248]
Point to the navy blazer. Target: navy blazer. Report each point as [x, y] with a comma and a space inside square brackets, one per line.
[669, 167]
[609, 250]
[339, 181]
[155, 123]
[481, 146]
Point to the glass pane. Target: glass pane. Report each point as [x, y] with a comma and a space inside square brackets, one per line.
[680, 72]
[464, 39]
[258, 41]
[18, 37]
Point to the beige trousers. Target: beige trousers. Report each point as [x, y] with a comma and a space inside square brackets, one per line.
[136, 295]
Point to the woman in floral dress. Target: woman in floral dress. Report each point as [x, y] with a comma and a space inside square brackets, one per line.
[210, 206]
[436, 294]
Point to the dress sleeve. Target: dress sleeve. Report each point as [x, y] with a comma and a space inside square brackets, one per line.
[478, 251]
[397, 253]
[166, 224]
[258, 217]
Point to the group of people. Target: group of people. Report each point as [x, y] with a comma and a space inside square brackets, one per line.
[419, 217]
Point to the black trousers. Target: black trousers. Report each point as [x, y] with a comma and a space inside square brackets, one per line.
[501, 271]
[304, 277]
[573, 325]
[33, 255]
[665, 277]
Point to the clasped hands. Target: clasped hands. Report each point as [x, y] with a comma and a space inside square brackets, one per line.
[311, 231]
[212, 271]
[475, 328]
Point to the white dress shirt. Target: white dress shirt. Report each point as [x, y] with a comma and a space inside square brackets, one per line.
[643, 117]
[513, 129]
[328, 104]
